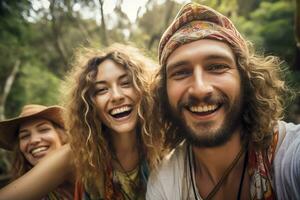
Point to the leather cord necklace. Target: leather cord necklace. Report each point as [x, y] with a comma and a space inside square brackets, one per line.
[243, 176]
[222, 179]
[133, 185]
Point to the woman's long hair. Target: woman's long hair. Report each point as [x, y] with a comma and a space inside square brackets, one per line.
[90, 142]
[265, 95]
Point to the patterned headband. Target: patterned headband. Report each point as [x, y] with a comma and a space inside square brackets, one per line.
[194, 22]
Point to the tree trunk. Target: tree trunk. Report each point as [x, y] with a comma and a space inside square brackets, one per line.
[170, 5]
[56, 34]
[103, 25]
[297, 35]
[7, 88]
[74, 20]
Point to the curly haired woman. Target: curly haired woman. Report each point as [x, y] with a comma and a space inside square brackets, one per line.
[107, 103]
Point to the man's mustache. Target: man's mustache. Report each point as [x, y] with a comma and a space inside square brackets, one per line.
[194, 101]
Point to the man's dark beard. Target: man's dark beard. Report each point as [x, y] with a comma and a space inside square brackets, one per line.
[212, 138]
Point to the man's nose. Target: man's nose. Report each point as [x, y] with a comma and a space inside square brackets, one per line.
[200, 86]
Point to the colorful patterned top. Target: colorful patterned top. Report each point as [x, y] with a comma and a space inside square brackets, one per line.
[59, 194]
[261, 172]
[120, 185]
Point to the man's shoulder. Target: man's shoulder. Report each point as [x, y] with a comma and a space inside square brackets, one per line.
[288, 132]
[291, 127]
[173, 163]
[287, 161]
[168, 175]
[175, 157]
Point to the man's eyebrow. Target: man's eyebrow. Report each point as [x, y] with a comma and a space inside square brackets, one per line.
[220, 57]
[175, 65]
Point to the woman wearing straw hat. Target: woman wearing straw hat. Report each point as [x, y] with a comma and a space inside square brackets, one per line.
[36, 132]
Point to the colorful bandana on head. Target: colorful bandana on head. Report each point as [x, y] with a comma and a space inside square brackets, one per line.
[195, 22]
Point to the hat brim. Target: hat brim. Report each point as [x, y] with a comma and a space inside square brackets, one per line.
[9, 128]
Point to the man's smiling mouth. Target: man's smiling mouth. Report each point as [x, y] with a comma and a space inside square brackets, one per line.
[203, 109]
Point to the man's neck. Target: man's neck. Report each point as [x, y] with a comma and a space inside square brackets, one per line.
[213, 161]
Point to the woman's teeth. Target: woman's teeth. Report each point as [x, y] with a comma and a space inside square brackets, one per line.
[121, 112]
[38, 150]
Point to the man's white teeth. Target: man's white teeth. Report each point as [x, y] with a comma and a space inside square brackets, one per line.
[120, 110]
[204, 108]
[38, 150]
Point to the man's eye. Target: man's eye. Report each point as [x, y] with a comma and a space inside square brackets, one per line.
[218, 67]
[180, 74]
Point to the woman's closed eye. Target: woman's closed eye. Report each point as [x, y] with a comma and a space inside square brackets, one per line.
[101, 90]
[24, 135]
[44, 129]
[125, 83]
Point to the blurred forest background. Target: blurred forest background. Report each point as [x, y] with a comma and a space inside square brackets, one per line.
[38, 38]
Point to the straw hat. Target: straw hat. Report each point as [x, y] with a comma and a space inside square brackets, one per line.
[9, 128]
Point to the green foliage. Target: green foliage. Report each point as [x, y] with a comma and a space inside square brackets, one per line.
[153, 23]
[273, 23]
[35, 84]
[12, 37]
[267, 23]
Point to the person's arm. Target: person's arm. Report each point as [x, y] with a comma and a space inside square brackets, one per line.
[49, 173]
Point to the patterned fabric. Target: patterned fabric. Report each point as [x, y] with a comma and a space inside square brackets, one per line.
[129, 184]
[112, 191]
[260, 171]
[194, 22]
[59, 194]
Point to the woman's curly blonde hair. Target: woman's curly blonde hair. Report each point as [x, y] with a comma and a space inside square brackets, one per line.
[265, 95]
[89, 139]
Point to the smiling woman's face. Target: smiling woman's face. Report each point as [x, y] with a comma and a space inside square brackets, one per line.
[37, 138]
[116, 98]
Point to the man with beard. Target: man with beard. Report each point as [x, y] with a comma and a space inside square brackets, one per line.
[219, 106]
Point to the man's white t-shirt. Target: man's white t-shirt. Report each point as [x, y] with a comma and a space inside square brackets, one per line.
[171, 180]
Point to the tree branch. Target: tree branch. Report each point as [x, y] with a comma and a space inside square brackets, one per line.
[7, 88]
[103, 25]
